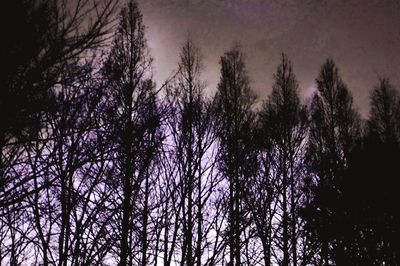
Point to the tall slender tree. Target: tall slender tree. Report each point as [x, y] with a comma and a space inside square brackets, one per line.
[233, 101]
[133, 122]
[191, 126]
[334, 131]
[285, 122]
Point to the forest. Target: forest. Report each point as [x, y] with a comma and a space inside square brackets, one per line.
[99, 165]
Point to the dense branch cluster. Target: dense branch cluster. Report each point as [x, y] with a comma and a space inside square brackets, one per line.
[99, 166]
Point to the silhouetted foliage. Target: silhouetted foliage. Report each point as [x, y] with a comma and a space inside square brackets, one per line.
[368, 226]
[285, 124]
[46, 79]
[233, 103]
[363, 214]
[43, 39]
[384, 121]
[334, 130]
[100, 166]
[133, 125]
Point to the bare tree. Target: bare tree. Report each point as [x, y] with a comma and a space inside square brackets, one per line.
[134, 120]
[233, 102]
[47, 39]
[273, 194]
[191, 162]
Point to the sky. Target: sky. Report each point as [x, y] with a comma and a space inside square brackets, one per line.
[361, 36]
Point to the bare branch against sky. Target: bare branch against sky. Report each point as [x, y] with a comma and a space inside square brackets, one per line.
[199, 132]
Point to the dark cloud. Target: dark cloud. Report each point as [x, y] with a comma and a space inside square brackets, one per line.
[363, 37]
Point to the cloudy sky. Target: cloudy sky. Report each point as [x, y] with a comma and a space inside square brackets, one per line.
[363, 38]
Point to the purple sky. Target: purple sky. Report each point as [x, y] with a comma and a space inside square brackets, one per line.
[363, 37]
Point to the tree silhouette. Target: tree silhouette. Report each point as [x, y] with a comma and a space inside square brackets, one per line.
[364, 225]
[192, 133]
[99, 166]
[44, 39]
[334, 130]
[134, 120]
[285, 124]
[41, 55]
[233, 102]
[385, 112]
